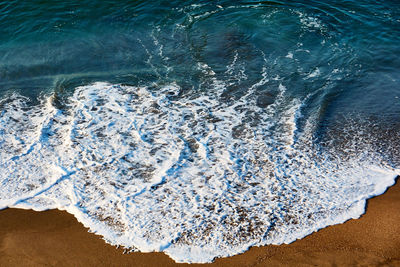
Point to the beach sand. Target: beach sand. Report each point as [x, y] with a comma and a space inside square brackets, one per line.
[55, 238]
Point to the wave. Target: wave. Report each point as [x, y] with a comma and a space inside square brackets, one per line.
[194, 176]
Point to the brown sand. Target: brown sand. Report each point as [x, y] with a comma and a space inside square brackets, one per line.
[55, 238]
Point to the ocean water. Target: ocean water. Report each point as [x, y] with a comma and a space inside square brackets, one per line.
[199, 128]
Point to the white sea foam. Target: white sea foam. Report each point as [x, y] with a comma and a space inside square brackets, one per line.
[309, 22]
[289, 55]
[314, 73]
[194, 177]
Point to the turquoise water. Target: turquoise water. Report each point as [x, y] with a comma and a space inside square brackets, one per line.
[53, 45]
[199, 128]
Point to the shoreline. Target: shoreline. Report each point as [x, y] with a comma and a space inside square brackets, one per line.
[56, 238]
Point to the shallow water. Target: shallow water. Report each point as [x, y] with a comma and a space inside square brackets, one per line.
[199, 129]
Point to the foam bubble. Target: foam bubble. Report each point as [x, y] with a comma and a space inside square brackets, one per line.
[195, 177]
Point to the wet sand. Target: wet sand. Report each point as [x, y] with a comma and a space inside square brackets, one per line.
[55, 238]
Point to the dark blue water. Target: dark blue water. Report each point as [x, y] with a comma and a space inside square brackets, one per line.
[275, 79]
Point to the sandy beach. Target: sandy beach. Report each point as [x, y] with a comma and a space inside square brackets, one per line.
[55, 238]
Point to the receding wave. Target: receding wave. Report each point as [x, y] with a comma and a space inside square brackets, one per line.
[195, 177]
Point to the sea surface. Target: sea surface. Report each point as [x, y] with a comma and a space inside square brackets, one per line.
[199, 128]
